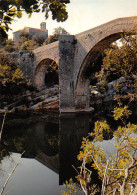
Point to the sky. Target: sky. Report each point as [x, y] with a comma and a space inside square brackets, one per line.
[83, 15]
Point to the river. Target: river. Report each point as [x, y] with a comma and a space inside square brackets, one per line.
[51, 144]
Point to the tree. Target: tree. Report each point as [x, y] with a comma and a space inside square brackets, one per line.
[38, 38]
[60, 31]
[51, 39]
[30, 44]
[120, 60]
[118, 171]
[27, 42]
[11, 75]
[10, 45]
[57, 31]
[9, 9]
[23, 33]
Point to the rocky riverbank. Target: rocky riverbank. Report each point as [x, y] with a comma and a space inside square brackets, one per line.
[33, 101]
[105, 95]
[47, 99]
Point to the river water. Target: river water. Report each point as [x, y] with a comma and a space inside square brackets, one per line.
[51, 144]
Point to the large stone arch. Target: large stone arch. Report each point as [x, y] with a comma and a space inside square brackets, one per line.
[39, 76]
[88, 68]
[85, 50]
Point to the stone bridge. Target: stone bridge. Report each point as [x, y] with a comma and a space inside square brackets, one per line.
[77, 57]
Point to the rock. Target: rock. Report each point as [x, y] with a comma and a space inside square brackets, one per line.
[29, 98]
[111, 89]
[5, 103]
[47, 98]
[121, 79]
[21, 108]
[49, 91]
[37, 106]
[95, 93]
[113, 83]
[124, 89]
[49, 103]
[2, 111]
[28, 93]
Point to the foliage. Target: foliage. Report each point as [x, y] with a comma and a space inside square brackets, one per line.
[23, 33]
[30, 44]
[51, 39]
[10, 74]
[118, 171]
[38, 38]
[27, 42]
[61, 31]
[120, 112]
[71, 187]
[9, 45]
[120, 60]
[9, 9]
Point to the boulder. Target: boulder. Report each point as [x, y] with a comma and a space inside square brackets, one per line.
[49, 103]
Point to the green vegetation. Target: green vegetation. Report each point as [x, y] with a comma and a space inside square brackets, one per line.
[60, 31]
[57, 31]
[117, 171]
[120, 60]
[11, 77]
[25, 43]
[30, 42]
[9, 72]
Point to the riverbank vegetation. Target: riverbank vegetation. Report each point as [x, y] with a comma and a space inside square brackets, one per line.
[119, 60]
[116, 170]
[30, 42]
[116, 167]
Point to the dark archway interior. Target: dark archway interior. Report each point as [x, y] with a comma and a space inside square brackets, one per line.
[51, 75]
[90, 71]
[46, 73]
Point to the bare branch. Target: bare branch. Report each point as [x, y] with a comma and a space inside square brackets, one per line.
[11, 174]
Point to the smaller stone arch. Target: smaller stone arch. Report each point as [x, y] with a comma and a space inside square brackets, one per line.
[40, 71]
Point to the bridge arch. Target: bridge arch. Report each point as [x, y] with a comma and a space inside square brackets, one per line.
[79, 55]
[40, 71]
[89, 66]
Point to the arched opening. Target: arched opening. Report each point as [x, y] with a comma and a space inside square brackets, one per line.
[46, 73]
[90, 65]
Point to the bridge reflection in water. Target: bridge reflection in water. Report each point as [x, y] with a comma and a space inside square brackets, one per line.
[53, 141]
[72, 129]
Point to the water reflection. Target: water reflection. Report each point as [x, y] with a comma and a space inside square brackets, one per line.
[72, 129]
[51, 144]
[30, 177]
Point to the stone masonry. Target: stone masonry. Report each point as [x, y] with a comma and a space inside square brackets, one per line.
[76, 56]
